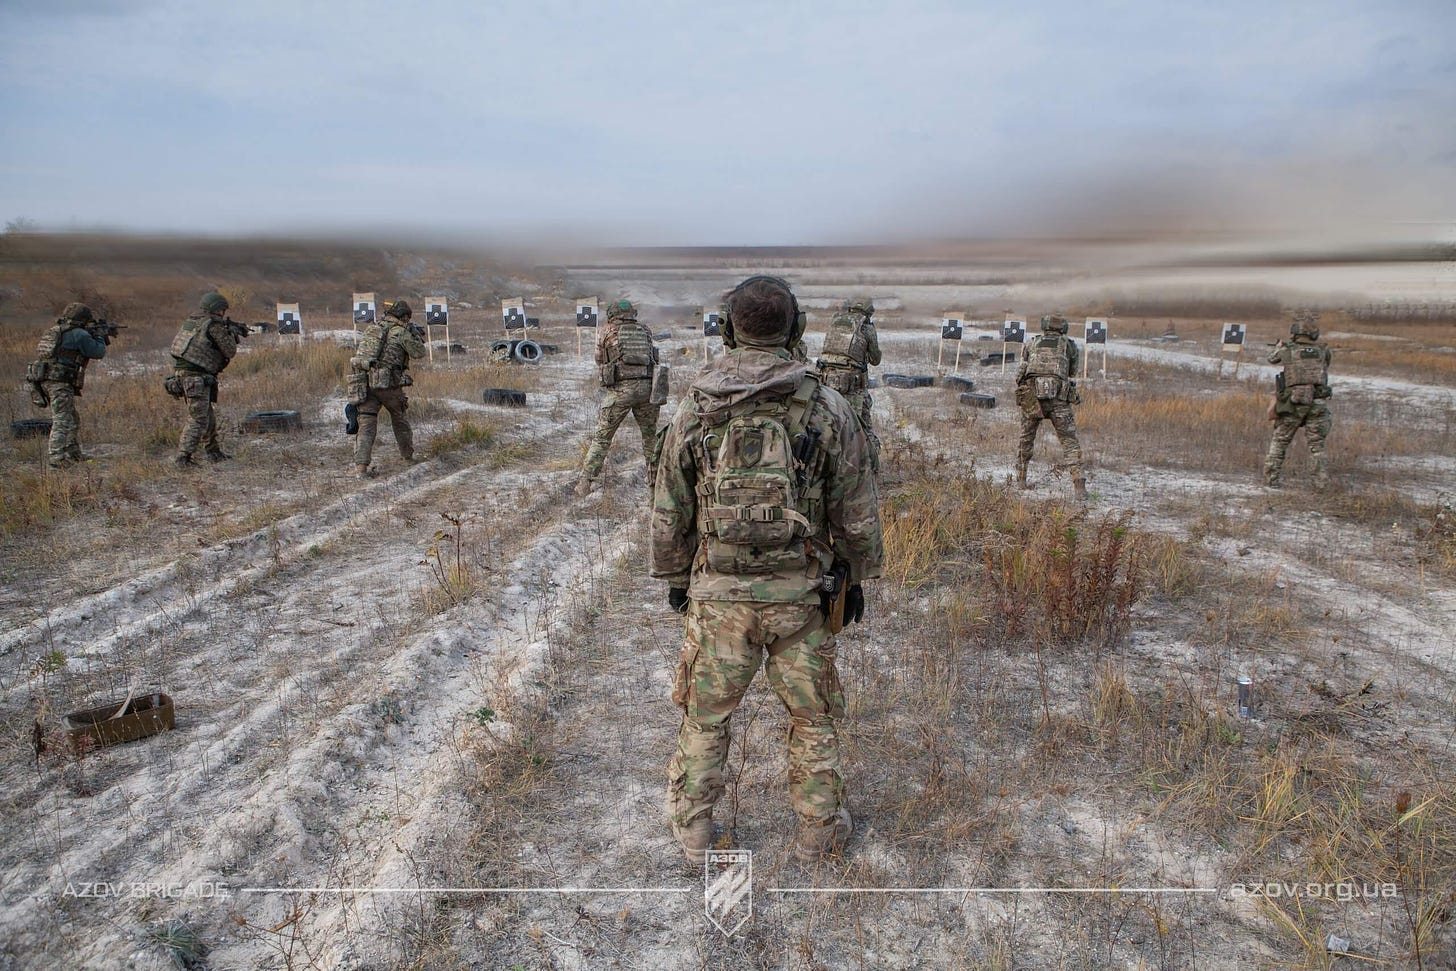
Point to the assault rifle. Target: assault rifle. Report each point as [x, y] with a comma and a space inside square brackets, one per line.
[104, 330]
[238, 328]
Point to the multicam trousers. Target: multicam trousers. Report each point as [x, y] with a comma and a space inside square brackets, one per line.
[1064, 420]
[628, 397]
[862, 404]
[395, 401]
[65, 444]
[199, 391]
[1315, 420]
[724, 644]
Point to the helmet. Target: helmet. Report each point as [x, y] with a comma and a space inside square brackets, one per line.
[1054, 322]
[860, 304]
[213, 303]
[78, 313]
[621, 310]
[400, 309]
[1306, 323]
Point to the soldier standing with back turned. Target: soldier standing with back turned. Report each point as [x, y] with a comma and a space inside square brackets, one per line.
[1045, 389]
[851, 345]
[626, 359]
[763, 491]
[59, 373]
[1301, 389]
[204, 346]
[380, 375]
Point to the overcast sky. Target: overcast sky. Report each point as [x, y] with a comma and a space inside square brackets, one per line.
[727, 123]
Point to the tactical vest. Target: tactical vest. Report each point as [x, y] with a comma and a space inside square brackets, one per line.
[194, 345]
[1049, 366]
[54, 363]
[630, 356]
[844, 357]
[1305, 376]
[755, 505]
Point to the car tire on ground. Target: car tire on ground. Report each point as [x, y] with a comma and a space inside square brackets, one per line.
[505, 397]
[30, 428]
[977, 400]
[908, 380]
[271, 421]
[527, 352]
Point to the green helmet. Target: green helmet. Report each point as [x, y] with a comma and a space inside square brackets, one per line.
[860, 304]
[213, 303]
[400, 309]
[78, 313]
[1054, 322]
[621, 310]
[1305, 324]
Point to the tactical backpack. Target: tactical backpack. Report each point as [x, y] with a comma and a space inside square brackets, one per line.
[843, 358]
[1304, 375]
[380, 362]
[1049, 367]
[630, 356]
[751, 501]
[193, 345]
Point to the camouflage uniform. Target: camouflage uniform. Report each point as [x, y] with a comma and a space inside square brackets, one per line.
[202, 349]
[851, 345]
[1051, 360]
[735, 619]
[626, 358]
[59, 375]
[381, 372]
[1299, 400]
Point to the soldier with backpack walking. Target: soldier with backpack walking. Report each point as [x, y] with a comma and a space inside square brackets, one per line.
[1300, 392]
[764, 492]
[1045, 389]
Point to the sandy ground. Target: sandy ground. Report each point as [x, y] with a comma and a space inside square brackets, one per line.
[330, 725]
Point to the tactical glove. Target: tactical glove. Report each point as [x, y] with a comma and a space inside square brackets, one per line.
[854, 604]
[677, 599]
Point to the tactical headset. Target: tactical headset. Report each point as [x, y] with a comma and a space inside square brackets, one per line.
[796, 329]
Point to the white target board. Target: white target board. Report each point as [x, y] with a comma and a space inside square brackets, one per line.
[1234, 334]
[437, 312]
[1094, 331]
[290, 319]
[587, 312]
[364, 309]
[513, 313]
[1013, 330]
[712, 323]
[952, 328]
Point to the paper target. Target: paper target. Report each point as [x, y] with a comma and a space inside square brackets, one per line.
[1095, 331]
[712, 323]
[586, 312]
[1013, 331]
[1234, 333]
[290, 320]
[364, 308]
[437, 312]
[513, 313]
[951, 328]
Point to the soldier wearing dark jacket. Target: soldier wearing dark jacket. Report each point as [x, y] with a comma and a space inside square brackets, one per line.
[204, 346]
[58, 376]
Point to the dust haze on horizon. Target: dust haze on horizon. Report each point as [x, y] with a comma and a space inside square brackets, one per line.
[744, 124]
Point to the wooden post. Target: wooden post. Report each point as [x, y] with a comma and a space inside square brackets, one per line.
[578, 343]
[1003, 357]
[1238, 359]
[958, 358]
[940, 355]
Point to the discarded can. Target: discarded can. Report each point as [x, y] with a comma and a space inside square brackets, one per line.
[1246, 697]
[1337, 945]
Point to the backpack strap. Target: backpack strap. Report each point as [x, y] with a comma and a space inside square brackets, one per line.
[799, 405]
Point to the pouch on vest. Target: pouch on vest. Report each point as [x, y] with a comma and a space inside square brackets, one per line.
[173, 386]
[660, 374]
[358, 387]
[844, 380]
[608, 374]
[37, 371]
[1302, 394]
[754, 523]
[1048, 387]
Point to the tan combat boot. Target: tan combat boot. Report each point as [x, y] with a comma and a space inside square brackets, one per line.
[818, 841]
[365, 472]
[694, 838]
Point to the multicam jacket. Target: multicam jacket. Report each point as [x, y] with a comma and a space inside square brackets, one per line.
[839, 497]
[385, 350]
[204, 345]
